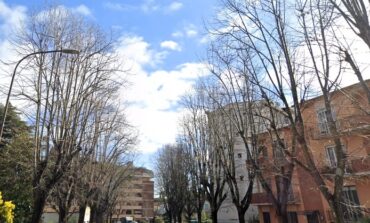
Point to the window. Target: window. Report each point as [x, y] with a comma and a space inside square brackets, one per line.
[282, 181]
[263, 150]
[43, 151]
[239, 155]
[292, 217]
[241, 178]
[286, 120]
[278, 149]
[266, 217]
[269, 182]
[322, 121]
[331, 156]
[128, 212]
[290, 192]
[313, 217]
[352, 210]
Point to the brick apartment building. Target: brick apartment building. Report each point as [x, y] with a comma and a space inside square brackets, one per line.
[136, 198]
[306, 203]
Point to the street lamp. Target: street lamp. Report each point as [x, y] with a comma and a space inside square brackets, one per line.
[67, 51]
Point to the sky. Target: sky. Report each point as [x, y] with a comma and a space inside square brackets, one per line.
[162, 42]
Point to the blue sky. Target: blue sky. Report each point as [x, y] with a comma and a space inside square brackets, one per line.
[162, 42]
[181, 21]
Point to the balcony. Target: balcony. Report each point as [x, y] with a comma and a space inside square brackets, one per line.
[348, 125]
[261, 198]
[360, 165]
[358, 124]
[264, 199]
[354, 167]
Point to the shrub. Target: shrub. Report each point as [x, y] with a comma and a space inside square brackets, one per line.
[6, 210]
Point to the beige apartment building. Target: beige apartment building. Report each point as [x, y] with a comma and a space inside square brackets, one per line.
[135, 200]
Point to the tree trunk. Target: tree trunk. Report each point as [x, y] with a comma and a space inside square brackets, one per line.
[338, 211]
[62, 215]
[199, 215]
[179, 217]
[96, 216]
[81, 214]
[38, 205]
[241, 217]
[99, 218]
[214, 216]
[188, 217]
[169, 216]
[92, 214]
[282, 218]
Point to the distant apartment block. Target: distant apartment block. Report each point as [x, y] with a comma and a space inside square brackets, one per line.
[136, 199]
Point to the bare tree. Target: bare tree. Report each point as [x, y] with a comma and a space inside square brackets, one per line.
[196, 132]
[232, 123]
[316, 33]
[262, 48]
[247, 60]
[63, 194]
[110, 164]
[355, 13]
[195, 194]
[172, 178]
[62, 91]
[106, 168]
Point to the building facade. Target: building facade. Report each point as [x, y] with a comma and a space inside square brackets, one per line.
[306, 204]
[136, 198]
[227, 212]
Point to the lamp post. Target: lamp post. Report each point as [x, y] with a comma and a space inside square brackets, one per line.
[67, 51]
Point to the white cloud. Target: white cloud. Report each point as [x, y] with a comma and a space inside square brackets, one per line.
[82, 9]
[63, 11]
[175, 6]
[153, 96]
[11, 20]
[177, 34]
[171, 45]
[149, 6]
[117, 6]
[191, 30]
[136, 51]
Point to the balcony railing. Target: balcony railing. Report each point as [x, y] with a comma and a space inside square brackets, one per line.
[360, 165]
[261, 198]
[264, 198]
[354, 167]
[354, 124]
